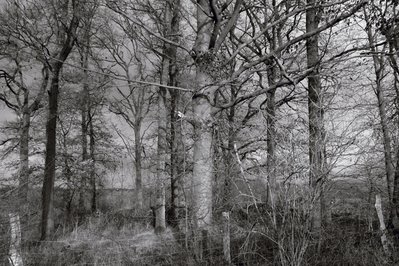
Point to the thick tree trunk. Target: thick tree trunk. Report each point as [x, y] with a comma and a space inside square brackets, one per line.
[175, 126]
[316, 142]
[47, 225]
[68, 41]
[393, 41]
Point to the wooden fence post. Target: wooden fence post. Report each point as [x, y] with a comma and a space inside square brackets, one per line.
[386, 244]
[15, 257]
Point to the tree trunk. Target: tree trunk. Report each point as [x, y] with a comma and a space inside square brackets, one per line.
[316, 142]
[160, 222]
[175, 125]
[391, 35]
[49, 172]
[230, 162]
[271, 139]
[386, 243]
[85, 120]
[272, 72]
[202, 155]
[137, 164]
[93, 180]
[175, 159]
[379, 70]
[47, 223]
[24, 155]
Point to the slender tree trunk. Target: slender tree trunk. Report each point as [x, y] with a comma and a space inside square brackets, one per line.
[271, 139]
[175, 159]
[84, 132]
[93, 180]
[316, 142]
[230, 162]
[379, 70]
[24, 155]
[85, 121]
[67, 174]
[160, 221]
[137, 163]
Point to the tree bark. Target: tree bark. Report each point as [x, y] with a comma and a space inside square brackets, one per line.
[386, 243]
[24, 153]
[84, 116]
[391, 34]
[137, 163]
[175, 125]
[379, 69]
[49, 172]
[93, 180]
[47, 222]
[316, 142]
[160, 221]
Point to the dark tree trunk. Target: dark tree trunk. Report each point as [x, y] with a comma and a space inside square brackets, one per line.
[93, 168]
[137, 163]
[84, 128]
[49, 173]
[175, 126]
[316, 141]
[24, 153]
[379, 71]
[68, 41]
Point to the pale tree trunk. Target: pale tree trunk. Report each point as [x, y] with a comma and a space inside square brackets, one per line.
[47, 222]
[208, 41]
[386, 243]
[202, 155]
[24, 135]
[316, 142]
